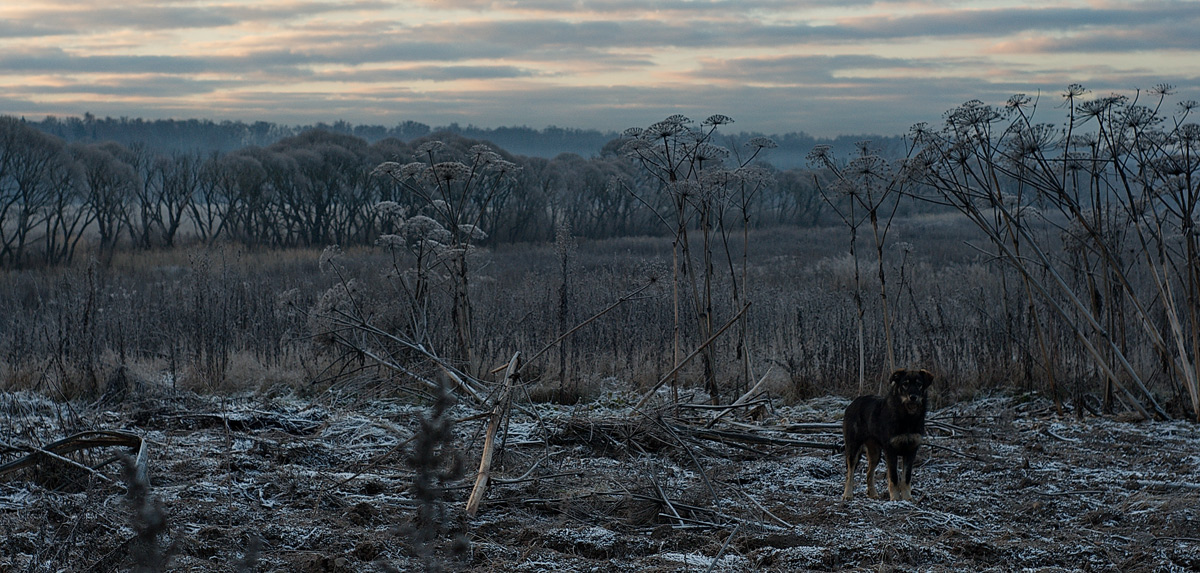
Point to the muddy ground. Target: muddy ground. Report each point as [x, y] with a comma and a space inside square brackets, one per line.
[327, 484]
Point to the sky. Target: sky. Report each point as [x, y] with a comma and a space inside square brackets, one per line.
[775, 66]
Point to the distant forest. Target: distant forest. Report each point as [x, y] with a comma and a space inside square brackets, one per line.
[97, 184]
[208, 135]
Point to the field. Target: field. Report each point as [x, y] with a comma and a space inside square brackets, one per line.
[267, 448]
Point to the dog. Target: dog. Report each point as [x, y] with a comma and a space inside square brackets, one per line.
[894, 425]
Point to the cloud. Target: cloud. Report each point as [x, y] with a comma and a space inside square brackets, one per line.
[1160, 37]
[426, 73]
[86, 16]
[807, 65]
[46, 60]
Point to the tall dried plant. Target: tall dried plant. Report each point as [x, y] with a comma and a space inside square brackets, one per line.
[455, 194]
[693, 174]
[863, 189]
[1118, 179]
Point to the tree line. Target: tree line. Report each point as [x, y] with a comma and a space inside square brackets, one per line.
[548, 142]
[311, 189]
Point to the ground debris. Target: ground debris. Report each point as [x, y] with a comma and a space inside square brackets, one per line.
[298, 485]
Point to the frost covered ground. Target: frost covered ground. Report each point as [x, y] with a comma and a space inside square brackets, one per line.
[260, 484]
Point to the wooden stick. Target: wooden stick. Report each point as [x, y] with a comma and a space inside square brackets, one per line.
[679, 366]
[725, 546]
[750, 394]
[489, 442]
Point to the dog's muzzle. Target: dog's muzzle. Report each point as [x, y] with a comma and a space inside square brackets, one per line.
[912, 404]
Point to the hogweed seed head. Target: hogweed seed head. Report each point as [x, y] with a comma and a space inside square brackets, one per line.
[390, 209]
[413, 170]
[503, 168]
[762, 143]
[390, 242]
[482, 154]
[714, 178]
[422, 227]
[328, 257]
[430, 147]
[1162, 89]
[663, 130]
[389, 168]
[472, 231]
[820, 154]
[710, 152]
[755, 176]
[1018, 101]
[718, 119]
[449, 171]
[1139, 117]
[635, 147]
[1188, 133]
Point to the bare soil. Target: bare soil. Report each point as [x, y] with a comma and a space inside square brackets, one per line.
[284, 484]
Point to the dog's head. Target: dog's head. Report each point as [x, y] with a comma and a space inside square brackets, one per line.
[910, 387]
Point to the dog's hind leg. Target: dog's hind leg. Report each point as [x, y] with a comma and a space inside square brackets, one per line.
[851, 465]
[872, 461]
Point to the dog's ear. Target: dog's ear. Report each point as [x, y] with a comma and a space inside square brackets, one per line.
[897, 376]
[926, 378]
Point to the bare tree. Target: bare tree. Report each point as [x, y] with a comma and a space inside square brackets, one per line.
[110, 183]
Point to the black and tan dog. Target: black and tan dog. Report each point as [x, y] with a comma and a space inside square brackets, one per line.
[892, 424]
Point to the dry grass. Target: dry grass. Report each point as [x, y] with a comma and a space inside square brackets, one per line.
[227, 319]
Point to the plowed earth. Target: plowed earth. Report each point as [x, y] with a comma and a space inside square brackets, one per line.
[257, 484]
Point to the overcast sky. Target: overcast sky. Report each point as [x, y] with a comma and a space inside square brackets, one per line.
[775, 66]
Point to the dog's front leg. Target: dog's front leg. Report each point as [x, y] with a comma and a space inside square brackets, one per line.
[906, 488]
[893, 478]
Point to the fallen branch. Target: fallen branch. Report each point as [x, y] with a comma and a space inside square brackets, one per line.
[725, 407]
[765, 510]
[749, 438]
[744, 399]
[814, 426]
[1060, 438]
[955, 452]
[489, 442]
[950, 428]
[82, 441]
